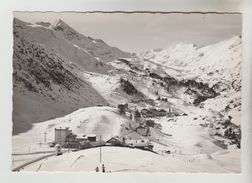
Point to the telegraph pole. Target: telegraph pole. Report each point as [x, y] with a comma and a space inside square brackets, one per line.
[100, 150]
[45, 137]
[68, 143]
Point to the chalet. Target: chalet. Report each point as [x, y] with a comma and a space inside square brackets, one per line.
[136, 115]
[141, 144]
[116, 141]
[143, 130]
[91, 137]
[89, 144]
[82, 139]
[71, 141]
[146, 113]
[149, 123]
[152, 112]
[171, 113]
[122, 108]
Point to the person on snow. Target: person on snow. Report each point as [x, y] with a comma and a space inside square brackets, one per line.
[103, 168]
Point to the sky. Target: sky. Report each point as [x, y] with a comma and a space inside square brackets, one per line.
[138, 32]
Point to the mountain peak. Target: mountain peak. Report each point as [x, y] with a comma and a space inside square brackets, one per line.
[59, 22]
[20, 23]
[60, 25]
[68, 31]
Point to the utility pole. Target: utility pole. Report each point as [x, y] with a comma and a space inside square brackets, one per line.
[68, 144]
[45, 137]
[100, 150]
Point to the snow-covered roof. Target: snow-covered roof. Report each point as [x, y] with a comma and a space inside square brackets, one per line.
[91, 135]
[62, 128]
[139, 127]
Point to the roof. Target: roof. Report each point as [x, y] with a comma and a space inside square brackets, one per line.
[149, 121]
[62, 128]
[91, 135]
[138, 143]
[97, 143]
[140, 127]
[81, 136]
[115, 138]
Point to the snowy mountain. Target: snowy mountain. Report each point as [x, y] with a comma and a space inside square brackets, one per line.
[191, 93]
[217, 68]
[47, 66]
[213, 64]
[94, 47]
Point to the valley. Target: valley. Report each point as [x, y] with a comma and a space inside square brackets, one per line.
[187, 98]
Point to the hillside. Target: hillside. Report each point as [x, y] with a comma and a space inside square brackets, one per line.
[104, 121]
[217, 68]
[47, 67]
[210, 64]
[118, 159]
[186, 98]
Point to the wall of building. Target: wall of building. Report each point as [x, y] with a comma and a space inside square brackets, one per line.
[61, 135]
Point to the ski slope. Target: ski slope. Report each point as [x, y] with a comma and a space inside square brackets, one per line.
[119, 159]
[102, 120]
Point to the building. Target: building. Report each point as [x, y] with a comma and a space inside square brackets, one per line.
[91, 137]
[61, 135]
[71, 141]
[141, 144]
[150, 123]
[143, 130]
[122, 108]
[153, 112]
[115, 141]
[89, 144]
[65, 138]
[171, 112]
[81, 138]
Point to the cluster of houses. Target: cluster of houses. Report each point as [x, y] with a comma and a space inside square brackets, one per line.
[139, 119]
[137, 124]
[142, 126]
[65, 138]
[123, 142]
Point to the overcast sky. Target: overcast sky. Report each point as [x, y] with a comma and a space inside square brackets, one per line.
[139, 32]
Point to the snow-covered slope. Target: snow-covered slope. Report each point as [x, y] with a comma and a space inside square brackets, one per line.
[54, 40]
[211, 64]
[94, 47]
[119, 159]
[100, 120]
[46, 85]
[195, 93]
[218, 67]
[47, 64]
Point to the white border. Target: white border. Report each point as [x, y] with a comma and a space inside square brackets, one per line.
[9, 6]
